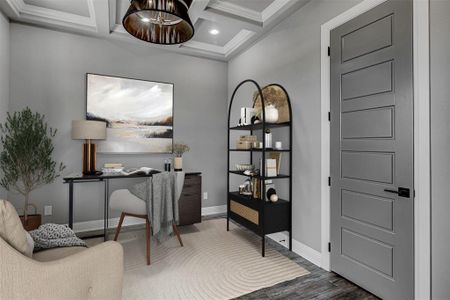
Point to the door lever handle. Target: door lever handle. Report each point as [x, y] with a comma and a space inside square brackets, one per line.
[402, 192]
[391, 191]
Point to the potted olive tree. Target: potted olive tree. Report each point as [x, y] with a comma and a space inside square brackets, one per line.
[26, 161]
[178, 150]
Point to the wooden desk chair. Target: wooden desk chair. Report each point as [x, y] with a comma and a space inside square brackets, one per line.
[124, 201]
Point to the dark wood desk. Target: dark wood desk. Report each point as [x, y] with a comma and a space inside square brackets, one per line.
[189, 213]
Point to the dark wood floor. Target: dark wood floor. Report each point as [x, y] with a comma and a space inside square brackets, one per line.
[319, 284]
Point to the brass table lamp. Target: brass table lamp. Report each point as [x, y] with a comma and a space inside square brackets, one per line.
[88, 131]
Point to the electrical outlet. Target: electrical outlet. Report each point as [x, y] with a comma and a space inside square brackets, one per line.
[48, 210]
[205, 196]
[283, 242]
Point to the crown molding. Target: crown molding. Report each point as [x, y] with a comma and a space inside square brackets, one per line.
[273, 8]
[236, 10]
[16, 6]
[204, 47]
[237, 42]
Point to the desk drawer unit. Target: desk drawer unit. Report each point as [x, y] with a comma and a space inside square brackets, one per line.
[190, 203]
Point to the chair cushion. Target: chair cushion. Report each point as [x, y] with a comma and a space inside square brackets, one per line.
[11, 229]
[56, 253]
[30, 241]
[124, 201]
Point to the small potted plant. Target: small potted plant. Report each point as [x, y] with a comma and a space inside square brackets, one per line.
[26, 161]
[178, 150]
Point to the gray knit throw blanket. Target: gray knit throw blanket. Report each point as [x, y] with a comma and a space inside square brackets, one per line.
[50, 236]
[161, 192]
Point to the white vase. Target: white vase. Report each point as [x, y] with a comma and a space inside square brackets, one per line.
[178, 163]
[271, 114]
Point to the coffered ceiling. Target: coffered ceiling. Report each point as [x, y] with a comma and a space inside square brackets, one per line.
[222, 27]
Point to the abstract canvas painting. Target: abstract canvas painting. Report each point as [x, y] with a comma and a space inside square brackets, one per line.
[138, 113]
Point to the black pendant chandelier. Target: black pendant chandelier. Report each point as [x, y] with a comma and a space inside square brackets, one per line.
[163, 22]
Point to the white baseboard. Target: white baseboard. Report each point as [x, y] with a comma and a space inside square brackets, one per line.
[98, 224]
[214, 210]
[129, 221]
[301, 249]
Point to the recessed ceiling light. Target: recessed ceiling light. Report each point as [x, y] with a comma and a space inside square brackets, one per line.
[214, 31]
[145, 20]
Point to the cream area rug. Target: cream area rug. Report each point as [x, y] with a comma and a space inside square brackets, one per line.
[213, 264]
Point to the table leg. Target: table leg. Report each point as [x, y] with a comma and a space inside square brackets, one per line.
[71, 204]
[263, 250]
[105, 214]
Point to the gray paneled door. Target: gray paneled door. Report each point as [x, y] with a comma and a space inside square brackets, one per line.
[372, 151]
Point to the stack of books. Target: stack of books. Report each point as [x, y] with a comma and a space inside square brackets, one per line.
[109, 168]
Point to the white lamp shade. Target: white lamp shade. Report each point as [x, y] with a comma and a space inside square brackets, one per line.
[88, 130]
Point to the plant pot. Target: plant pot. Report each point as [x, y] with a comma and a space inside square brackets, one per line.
[33, 222]
[178, 163]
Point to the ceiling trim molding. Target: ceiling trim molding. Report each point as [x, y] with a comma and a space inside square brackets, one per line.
[236, 10]
[232, 45]
[197, 7]
[275, 7]
[204, 47]
[120, 34]
[221, 17]
[237, 41]
[102, 22]
[118, 28]
[55, 17]
[16, 6]
[59, 16]
[100, 11]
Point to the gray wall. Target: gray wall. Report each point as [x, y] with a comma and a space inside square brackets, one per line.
[440, 147]
[4, 74]
[290, 55]
[48, 75]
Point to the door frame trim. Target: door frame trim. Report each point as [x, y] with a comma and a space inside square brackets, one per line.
[422, 213]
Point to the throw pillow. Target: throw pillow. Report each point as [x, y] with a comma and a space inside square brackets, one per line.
[11, 229]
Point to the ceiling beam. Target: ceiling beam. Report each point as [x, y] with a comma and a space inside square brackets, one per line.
[101, 14]
[112, 14]
[236, 10]
[224, 18]
[279, 9]
[236, 43]
[196, 9]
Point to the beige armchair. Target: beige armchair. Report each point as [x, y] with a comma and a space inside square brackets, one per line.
[59, 273]
[62, 273]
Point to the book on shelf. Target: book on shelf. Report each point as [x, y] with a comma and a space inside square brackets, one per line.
[256, 185]
[277, 157]
[112, 165]
[112, 170]
[271, 167]
[257, 188]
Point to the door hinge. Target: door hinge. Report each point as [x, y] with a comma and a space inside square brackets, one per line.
[329, 116]
[329, 51]
[329, 181]
[329, 247]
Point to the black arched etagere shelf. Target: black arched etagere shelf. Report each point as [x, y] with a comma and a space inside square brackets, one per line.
[256, 214]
